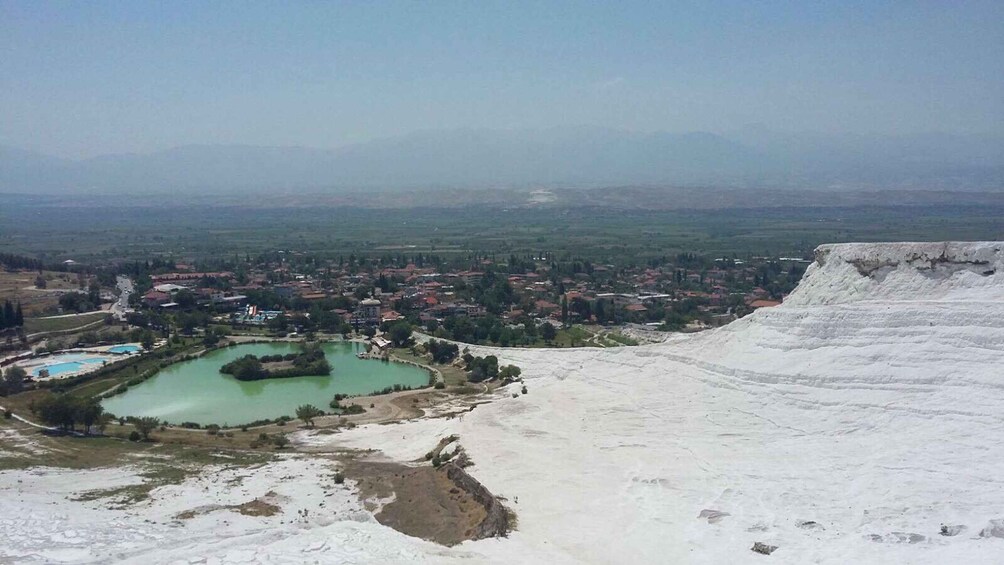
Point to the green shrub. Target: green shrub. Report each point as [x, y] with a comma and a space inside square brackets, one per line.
[134, 436]
[353, 409]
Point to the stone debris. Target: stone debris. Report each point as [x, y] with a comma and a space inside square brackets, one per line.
[952, 530]
[713, 516]
[993, 529]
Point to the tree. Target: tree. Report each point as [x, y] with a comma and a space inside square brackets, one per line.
[56, 411]
[307, 413]
[185, 298]
[280, 441]
[13, 380]
[7, 320]
[145, 425]
[400, 334]
[509, 373]
[211, 338]
[104, 420]
[75, 302]
[482, 368]
[88, 412]
[94, 294]
[279, 323]
[186, 324]
[246, 368]
[548, 332]
[147, 340]
[442, 351]
[600, 310]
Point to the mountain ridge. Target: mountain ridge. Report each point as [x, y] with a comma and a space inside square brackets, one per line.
[578, 157]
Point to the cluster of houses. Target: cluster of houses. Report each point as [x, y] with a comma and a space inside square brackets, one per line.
[367, 297]
[167, 286]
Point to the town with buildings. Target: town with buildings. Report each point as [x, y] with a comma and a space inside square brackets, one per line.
[477, 300]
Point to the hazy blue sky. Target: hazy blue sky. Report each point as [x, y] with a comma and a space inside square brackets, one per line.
[83, 78]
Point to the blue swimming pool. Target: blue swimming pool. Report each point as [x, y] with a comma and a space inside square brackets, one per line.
[60, 364]
[58, 368]
[124, 349]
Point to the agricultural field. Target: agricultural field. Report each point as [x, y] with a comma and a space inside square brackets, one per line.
[20, 287]
[596, 233]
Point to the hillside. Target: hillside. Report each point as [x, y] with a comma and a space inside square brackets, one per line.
[576, 157]
[847, 425]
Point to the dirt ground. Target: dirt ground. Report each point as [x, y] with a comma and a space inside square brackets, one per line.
[427, 504]
[20, 287]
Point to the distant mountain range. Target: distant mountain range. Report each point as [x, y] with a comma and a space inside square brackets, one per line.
[569, 157]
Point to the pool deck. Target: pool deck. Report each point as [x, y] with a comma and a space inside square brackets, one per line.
[107, 353]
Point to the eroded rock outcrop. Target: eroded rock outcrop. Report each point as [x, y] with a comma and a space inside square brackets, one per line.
[850, 272]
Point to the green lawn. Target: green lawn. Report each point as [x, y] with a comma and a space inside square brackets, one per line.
[35, 325]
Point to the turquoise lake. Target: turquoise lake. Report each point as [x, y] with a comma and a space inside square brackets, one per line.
[196, 391]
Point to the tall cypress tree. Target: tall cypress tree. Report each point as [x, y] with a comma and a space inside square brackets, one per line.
[8, 314]
[18, 316]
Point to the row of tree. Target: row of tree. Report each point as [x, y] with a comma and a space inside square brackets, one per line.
[12, 316]
[480, 369]
[20, 262]
[66, 411]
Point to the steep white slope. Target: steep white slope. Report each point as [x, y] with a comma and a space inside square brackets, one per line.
[870, 403]
[845, 426]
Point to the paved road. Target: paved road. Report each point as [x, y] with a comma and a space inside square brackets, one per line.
[121, 306]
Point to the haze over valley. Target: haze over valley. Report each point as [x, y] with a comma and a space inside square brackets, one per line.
[563, 157]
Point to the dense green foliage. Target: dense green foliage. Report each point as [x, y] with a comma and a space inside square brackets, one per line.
[66, 411]
[336, 404]
[16, 262]
[11, 315]
[145, 425]
[309, 362]
[400, 334]
[307, 413]
[481, 368]
[442, 351]
[81, 302]
[13, 380]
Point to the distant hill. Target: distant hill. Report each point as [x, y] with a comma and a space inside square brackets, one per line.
[581, 157]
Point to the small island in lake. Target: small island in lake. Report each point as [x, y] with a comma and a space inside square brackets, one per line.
[309, 362]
